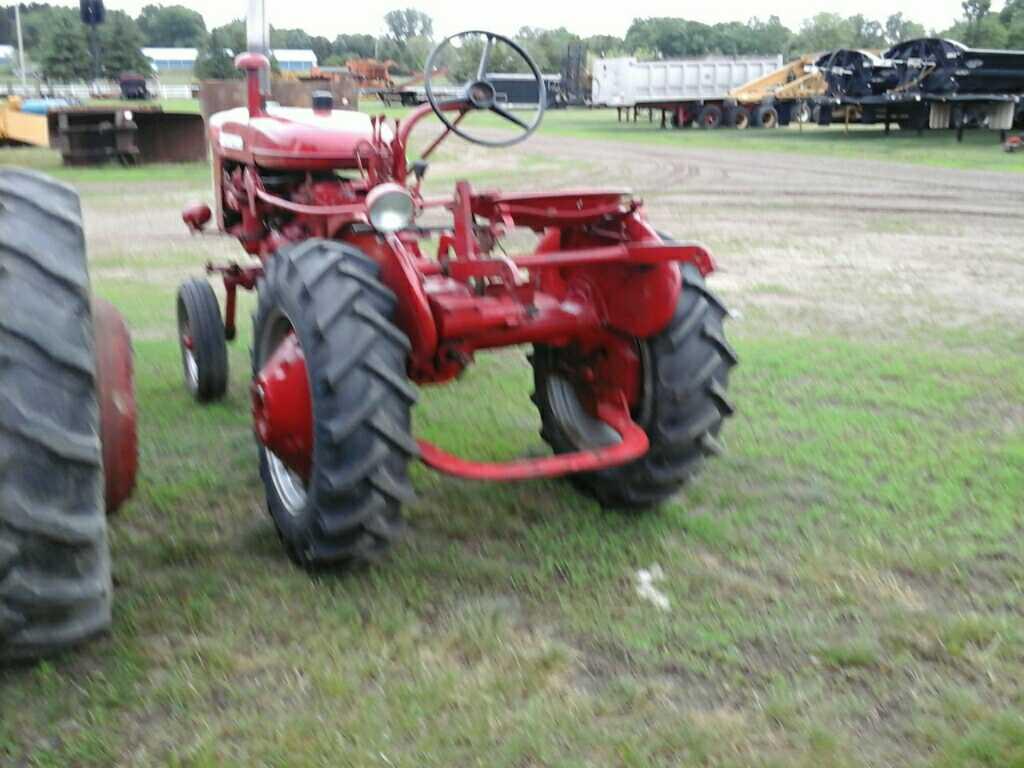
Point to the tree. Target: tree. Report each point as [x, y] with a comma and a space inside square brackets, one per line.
[824, 32]
[232, 36]
[321, 47]
[121, 46]
[770, 36]
[1014, 9]
[548, 47]
[605, 46]
[408, 23]
[976, 10]
[172, 26]
[898, 29]
[214, 62]
[354, 47]
[64, 50]
[867, 33]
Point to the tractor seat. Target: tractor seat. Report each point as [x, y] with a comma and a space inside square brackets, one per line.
[294, 138]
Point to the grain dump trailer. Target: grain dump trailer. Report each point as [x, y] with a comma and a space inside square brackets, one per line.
[686, 91]
[928, 83]
[793, 88]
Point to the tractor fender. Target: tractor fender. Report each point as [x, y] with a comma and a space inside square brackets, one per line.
[399, 273]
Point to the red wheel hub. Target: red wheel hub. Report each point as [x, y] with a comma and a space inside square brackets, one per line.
[282, 407]
[116, 395]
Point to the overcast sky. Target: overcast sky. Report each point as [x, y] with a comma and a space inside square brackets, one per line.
[583, 17]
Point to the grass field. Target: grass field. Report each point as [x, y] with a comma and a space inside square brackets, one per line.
[844, 586]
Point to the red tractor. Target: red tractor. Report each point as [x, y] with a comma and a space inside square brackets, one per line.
[630, 362]
[67, 424]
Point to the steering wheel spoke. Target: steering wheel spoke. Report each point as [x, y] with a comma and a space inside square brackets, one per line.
[481, 72]
[512, 118]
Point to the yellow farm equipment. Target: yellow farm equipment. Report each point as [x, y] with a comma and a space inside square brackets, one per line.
[22, 127]
[798, 80]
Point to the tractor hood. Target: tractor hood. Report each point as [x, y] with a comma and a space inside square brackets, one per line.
[293, 137]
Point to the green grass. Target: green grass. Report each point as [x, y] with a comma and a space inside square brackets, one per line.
[845, 584]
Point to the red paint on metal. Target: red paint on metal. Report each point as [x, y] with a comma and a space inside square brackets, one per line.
[197, 216]
[282, 407]
[115, 391]
[634, 444]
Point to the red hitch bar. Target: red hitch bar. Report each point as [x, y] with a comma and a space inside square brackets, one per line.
[634, 445]
[283, 413]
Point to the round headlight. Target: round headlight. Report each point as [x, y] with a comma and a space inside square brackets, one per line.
[391, 208]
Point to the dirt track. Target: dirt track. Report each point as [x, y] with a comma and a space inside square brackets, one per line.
[836, 244]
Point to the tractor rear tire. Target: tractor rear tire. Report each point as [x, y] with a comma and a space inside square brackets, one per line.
[684, 404]
[349, 511]
[55, 584]
[204, 349]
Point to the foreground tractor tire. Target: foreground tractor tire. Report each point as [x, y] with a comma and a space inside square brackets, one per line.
[349, 512]
[55, 585]
[204, 348]
[684, 403]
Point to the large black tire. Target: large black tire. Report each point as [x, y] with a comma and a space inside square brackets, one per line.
[686, 378]
[204, 358]
[766, 116]
[738, 117]
[55, 585]
[350, 510]
[710, 117]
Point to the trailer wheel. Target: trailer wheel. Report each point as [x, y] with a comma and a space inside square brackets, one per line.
[349, 511]
[684, 403]
[55, 585]
[710, 117]
[204, 349]
[739, 118]
[766, 116]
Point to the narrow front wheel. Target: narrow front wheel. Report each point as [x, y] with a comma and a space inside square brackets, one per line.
[204, 349]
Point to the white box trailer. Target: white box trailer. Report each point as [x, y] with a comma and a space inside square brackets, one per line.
[686, 89]
[627, 82]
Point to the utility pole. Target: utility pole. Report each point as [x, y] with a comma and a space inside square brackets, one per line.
[21, 45]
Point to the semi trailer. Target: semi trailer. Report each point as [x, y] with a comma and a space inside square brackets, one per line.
[688, 91]
[927, 83]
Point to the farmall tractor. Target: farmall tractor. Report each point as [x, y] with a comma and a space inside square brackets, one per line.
[67, 424]
[629, 358]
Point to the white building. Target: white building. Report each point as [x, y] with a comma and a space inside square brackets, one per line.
[7, 54]
[184, 59]
[171, 59]
[294, 59]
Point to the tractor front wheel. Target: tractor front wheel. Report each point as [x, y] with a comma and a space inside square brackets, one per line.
[682, 405]
[346, 507]
[204, 349]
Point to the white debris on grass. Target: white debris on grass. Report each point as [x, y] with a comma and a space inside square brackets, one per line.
[645, 579]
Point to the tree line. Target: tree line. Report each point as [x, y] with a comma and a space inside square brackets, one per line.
[57, 42]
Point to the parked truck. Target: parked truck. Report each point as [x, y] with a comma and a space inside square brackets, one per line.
[686, 91]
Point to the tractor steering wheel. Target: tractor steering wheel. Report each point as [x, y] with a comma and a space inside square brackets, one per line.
[480, 93]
